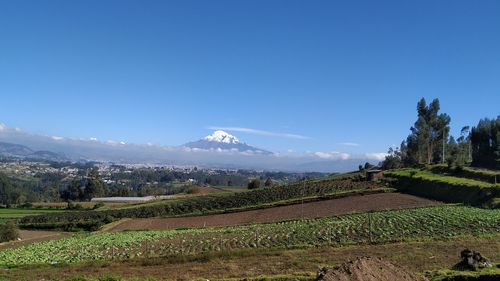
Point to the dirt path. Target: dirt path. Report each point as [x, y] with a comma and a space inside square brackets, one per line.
[352, 204]
[32, 236]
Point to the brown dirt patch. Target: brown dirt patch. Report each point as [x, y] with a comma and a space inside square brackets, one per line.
[351, 204]
[369, 269]
[32, 236]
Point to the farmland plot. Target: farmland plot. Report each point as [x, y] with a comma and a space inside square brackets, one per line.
[380, 227]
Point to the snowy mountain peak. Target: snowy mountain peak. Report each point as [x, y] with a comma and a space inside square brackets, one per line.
[222, 137]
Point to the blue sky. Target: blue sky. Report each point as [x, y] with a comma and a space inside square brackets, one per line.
[302, 75]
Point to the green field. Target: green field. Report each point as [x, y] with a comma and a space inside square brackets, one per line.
[7, 214]
[440, 222]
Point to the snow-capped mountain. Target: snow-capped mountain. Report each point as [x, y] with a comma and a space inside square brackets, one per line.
[220, 140]
[221, 136]
[218, 150]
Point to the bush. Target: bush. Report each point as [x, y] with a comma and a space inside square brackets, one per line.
[27, 205]
[98, 205]
[253, 184]
[8, 232]
[192, 189]
[73, 206]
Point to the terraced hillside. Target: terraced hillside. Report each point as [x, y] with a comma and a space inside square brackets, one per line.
[206, 204]
[457, 186]
[316, 209]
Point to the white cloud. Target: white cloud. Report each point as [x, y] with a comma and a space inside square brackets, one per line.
[348, 143]
[376, 155]
[259, 132]
[2, 127]
[333, 155]
[57, 138]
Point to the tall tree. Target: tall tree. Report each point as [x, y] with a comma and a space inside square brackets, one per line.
[464, 146]
[393, 160]
[94, 187]
[9, 192]
[426, 143]
[428, 137]
[268, 182]
[73, 191]
[485, 143]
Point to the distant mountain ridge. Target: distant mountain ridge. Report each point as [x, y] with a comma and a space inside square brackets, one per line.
[218, 150]
[221, 140]
[12, 150]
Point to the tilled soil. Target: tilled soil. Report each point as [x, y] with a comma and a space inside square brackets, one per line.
[317, 209]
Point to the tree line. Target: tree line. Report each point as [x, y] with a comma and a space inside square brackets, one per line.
[430, 142]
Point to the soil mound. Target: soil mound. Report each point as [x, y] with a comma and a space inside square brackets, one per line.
[368, 269]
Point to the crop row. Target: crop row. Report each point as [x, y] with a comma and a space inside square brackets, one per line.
[380, 227]
[205, 204]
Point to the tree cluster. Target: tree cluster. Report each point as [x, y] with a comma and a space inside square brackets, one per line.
[485, 142]
[86, 188]
[430, 142]
[10, 193]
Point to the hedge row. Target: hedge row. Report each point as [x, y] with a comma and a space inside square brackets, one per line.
[202, 204]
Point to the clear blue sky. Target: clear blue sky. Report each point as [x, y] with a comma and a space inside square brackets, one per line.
[165, 71]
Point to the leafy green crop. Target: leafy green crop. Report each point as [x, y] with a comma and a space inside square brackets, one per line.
[380, 227]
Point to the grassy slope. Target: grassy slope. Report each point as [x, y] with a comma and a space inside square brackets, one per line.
[440, 183]
[427, 175]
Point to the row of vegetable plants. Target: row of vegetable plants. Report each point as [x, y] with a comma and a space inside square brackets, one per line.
[438, 222]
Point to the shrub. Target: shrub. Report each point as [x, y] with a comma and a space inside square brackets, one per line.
[253, 184]
[8, 232]
[73, 206]
[27, 205]
[98, 205]
[192, 189]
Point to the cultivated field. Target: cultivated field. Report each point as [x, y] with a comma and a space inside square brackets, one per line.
[265, 263]
[439, 222]
[16, 213]
[317, 209]
[276, 233]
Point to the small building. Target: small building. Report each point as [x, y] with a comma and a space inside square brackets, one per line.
[374, 174]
